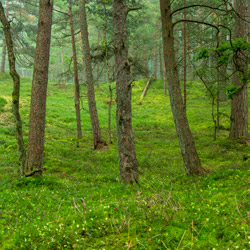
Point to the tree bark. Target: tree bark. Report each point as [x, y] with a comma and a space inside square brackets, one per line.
[239, 105]
[160, 62]
[190, 157]
[155, 62]
[98, 142]
[4, 41]
[16, 87]
[34, 161]
[3, 56]
[185, 59]
[126, 148]
[76, 78]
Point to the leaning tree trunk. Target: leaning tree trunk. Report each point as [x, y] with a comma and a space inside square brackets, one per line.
[239, 105]
[16, 89]
[34, 161]
[98, 142]
[76, 78]
[127, 156]
[189, 154]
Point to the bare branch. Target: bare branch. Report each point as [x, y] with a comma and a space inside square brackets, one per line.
[199, 5]
[195, 21]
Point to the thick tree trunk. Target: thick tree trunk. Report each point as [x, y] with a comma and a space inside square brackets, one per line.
[16, 87]
[34, 161]
[127, 156]
[2, 70]
[98, 142]
[190, 157]
[239, 105]
[76, 78]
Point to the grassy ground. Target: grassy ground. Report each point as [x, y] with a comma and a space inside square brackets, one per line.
[167, 211]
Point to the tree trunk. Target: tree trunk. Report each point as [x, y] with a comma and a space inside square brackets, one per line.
[127, 156]
[98, 142]
[160, 61]
[239, 105]
[76, 78]
[82, 56]
[3, 56]
[108, 72]
[190, 157]
[4, 41]
[16, 88]
[155, 62]
[185, 59]
[64, 77]
[34, 161]
[98, 63]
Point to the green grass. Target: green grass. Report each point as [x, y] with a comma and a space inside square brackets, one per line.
[167, 211]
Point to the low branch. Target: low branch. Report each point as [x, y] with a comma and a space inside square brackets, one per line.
[133, 8]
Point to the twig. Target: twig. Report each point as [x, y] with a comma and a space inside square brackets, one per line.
[181, 240]
[83, 205]
[76, 207]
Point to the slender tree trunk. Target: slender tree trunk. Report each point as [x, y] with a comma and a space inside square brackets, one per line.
[155, 63]
[239, 105]
[127, 156]
[108, 74]
[76, 78]
[98, 142]
[98, 64]
[34, 161]
[16, 87]
[4, 41]
[3, 56]
[185, 59]
[165, 79]
[218, 99]
[160, 61]
[64, 77]
[190, 157]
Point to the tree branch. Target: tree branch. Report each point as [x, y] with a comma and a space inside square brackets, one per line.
[195, 21]
[199, 5]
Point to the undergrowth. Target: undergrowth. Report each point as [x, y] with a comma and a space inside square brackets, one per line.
[166, 211]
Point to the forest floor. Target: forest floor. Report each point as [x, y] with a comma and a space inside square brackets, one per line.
[166, 211]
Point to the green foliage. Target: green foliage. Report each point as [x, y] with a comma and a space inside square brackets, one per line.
[3, 102]
[203, 53]
[231, 90]
[167, 211]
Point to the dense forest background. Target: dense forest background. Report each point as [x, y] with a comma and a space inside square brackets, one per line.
[124, 124]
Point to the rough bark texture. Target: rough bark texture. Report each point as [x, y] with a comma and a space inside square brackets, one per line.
[16, 87]
[98, 142]
[189, 154]
[34, 161]
[4, 41]
[127, 156]
[76, 78]
[239, 105]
